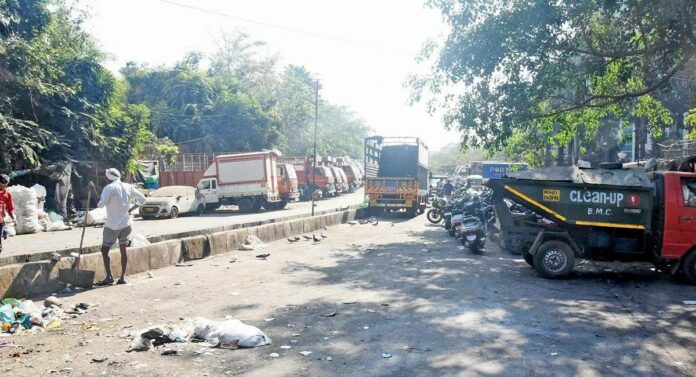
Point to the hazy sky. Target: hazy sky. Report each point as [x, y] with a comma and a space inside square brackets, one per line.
[367, 75]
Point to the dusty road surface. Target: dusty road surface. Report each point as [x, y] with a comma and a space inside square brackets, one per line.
[401, 300]
[50, 241]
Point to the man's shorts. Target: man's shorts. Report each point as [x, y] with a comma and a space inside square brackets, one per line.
[110, 236]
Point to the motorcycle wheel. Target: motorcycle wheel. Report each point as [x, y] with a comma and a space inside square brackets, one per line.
[433, 216]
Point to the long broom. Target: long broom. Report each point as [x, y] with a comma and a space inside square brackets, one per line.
[84, 227]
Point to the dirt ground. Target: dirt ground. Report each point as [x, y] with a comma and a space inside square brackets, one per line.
[408, 301]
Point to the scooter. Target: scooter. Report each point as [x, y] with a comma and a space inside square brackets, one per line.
[447, 215]
[473, 234]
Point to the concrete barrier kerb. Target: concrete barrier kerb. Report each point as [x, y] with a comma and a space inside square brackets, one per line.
[29, 278]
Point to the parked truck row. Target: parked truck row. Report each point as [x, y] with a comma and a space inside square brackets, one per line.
[254, 181]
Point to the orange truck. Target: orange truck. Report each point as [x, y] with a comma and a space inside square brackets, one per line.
[288, 187]
[396, 174]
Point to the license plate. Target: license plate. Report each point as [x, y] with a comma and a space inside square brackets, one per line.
[470, 238]
[448, 213]
[149, 210]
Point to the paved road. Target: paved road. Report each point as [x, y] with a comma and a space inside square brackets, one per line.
[42, 242]
[416, 297]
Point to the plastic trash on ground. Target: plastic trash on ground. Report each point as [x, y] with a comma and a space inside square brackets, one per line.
[138, 240]
[252, 243]
[231, 333]
[9, 228]
[156, 336]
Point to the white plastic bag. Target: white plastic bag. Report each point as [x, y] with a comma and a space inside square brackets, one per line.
[252, 243]
[96, 216]
[227, 333]
[138, 240]
[9, 227]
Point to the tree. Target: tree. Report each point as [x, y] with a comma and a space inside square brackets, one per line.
[57, 101]
[509, 67]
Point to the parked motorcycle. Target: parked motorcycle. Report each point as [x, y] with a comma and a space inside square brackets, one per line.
[435, 214]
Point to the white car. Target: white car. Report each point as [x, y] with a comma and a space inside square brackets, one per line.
[171, 201]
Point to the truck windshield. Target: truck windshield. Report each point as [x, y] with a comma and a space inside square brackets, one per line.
[291, 172]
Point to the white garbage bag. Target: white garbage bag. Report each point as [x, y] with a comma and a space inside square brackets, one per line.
[138, 240]
[228, 334]
[26, 212]
[96, 216]
[252, 243]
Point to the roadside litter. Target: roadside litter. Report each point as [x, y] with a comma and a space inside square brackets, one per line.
[228, 334]
[24, 315]
[138, 240]
[96, 216]
[252, 243]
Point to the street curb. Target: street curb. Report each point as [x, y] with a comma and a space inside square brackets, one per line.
[37, 277]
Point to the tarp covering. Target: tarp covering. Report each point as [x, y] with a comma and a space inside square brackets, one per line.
[612, 177]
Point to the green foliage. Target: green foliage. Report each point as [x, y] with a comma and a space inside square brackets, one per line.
[54, 93]
[516, 69]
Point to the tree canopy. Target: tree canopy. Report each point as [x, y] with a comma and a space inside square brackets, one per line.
[58, 102]
[512, 69]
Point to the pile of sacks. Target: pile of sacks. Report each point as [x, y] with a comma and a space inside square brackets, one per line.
[229, 334]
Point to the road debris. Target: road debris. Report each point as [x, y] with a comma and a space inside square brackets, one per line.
[263, 256]
[330, 314]
[252, 243]
[386, 355]
[306, 353]
[273, 355]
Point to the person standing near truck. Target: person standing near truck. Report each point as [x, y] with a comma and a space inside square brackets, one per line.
[448, 189]
[116, 198]
[6, 206]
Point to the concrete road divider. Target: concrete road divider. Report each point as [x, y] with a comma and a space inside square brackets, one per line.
[33, 278]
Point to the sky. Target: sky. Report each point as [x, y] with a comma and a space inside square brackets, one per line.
[362, 50]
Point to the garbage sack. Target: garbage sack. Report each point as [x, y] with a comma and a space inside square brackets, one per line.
[138, 240]
[26, 211]
[231, 333]
[252, 243]
[96, 216]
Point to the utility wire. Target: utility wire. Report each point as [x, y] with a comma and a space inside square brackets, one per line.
[285, 28]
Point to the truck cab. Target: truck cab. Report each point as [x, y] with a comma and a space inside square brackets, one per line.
[287, 185]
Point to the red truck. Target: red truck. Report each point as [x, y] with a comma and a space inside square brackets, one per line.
[288, 187]
[303, 168]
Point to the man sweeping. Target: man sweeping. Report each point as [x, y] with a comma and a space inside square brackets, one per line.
[6, 206]
[116, 198]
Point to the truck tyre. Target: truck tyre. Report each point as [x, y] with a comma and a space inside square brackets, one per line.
[173, 213]
[688, 268]
[554, 260]
[412, 212]
[529, 258]
[201, 209]
[282, 204]
[258, 203]
[246, 205]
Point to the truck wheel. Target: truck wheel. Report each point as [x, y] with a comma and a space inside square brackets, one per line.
[554, 260]
[258, 203]
[282, 204]
[246, 205]
[529, 258]
[173, 213]
[412, 212]
[688, 268]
